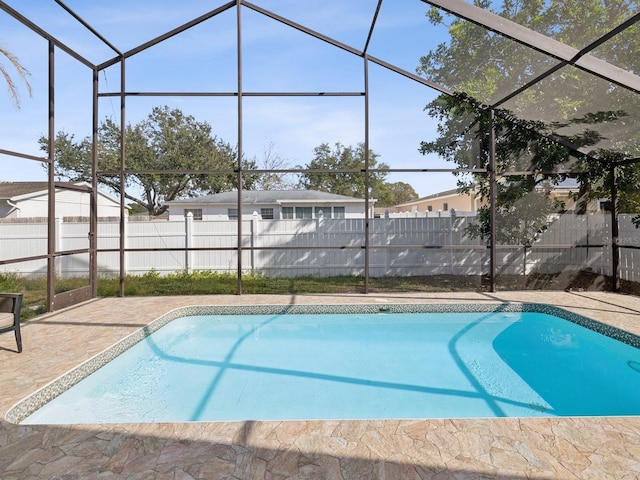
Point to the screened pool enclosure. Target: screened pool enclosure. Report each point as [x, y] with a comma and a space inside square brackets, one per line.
[530, 109]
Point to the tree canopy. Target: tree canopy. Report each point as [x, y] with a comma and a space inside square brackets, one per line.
[340, 170]
[167, 140]
[482, 67]
[395, 193]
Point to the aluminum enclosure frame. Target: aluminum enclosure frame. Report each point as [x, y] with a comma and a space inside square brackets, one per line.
[581, 59]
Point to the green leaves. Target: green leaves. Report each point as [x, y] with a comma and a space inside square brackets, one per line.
[569, 105]
[189, 159]
[340, 170]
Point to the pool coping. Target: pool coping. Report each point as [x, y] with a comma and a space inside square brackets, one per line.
[25, 407]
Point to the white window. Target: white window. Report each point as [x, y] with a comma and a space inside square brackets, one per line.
[304, 212]
[266, 213]
[232, 213]
[197, 213]
[322, 212]
[287, 213]
[338, 212]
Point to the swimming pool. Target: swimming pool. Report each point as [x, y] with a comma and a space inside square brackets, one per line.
[356, 362]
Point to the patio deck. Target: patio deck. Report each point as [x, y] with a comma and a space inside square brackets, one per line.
[510, 448]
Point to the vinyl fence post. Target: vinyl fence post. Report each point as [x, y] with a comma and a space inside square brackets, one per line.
[254, 239]
[188, 230]
[58, 247]
[125, 244]
[386, 241]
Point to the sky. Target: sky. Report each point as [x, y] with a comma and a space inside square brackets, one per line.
[275, 58]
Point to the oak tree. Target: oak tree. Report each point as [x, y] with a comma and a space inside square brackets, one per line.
[168, 156]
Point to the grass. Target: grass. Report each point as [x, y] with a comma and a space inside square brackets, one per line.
[213, 283]
[35, 291]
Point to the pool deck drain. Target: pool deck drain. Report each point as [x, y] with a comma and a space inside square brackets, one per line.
[510, 448]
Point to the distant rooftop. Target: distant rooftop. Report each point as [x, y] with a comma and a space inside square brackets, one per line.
[15, 189]
[268, 196]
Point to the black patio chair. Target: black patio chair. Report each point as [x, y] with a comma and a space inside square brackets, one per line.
[10, 305]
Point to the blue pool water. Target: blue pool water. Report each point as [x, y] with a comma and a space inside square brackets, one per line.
[358, 366]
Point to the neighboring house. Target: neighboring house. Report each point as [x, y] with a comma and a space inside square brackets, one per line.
[440, 202]
[468, 202]
[19, 200]
[566, 192]
[269, 205]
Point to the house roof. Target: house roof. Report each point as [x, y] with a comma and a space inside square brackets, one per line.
[15, 191]
[251, 197]
[568, 184]
[446, 193]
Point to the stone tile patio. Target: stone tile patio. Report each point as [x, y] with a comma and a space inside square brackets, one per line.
[511, 448]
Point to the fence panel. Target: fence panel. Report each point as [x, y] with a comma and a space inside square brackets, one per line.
[575, 231]
[399, 246]
[629, 236]
[155, 235]
[20, 240]
[291, 256]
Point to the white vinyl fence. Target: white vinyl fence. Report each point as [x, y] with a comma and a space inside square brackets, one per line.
[397, 247]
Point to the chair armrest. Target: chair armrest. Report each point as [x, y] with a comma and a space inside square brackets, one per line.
[10, 305]
[11, 302]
